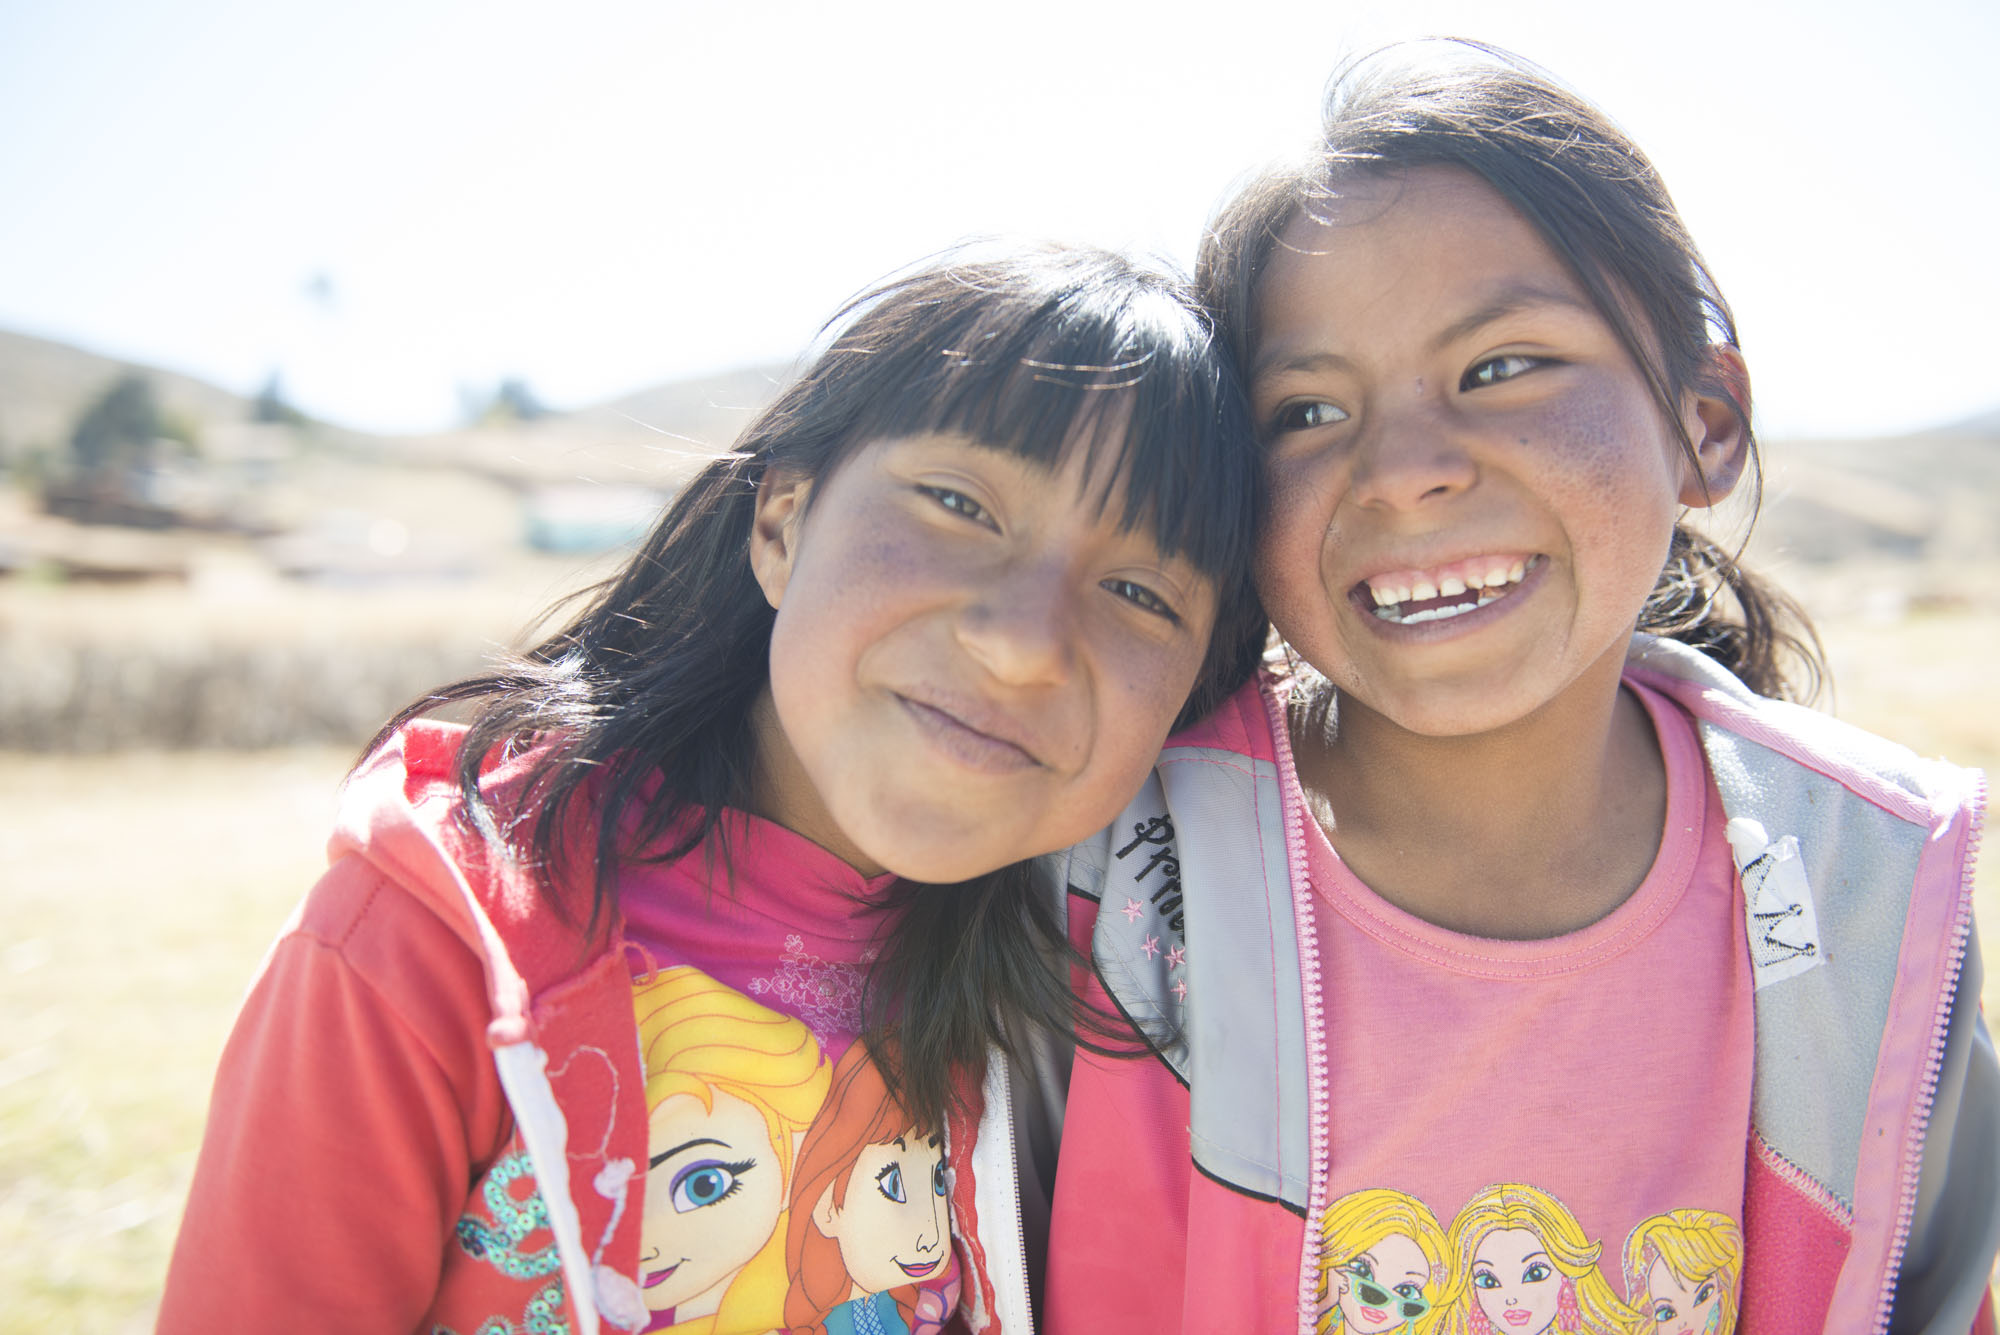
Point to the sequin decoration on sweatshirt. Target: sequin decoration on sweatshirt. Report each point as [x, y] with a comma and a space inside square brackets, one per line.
[514, 1218]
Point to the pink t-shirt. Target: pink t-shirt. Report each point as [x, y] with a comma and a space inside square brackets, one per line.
[1505, 1113]
[786, 1188]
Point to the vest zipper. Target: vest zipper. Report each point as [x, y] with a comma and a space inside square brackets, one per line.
[1913, 1149]
[1318, 1093]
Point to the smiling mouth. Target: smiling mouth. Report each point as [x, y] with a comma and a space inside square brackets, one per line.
[658, 1277]
[971, 746]
[1372, 1314]
[1518, 1317]
[1411, 597]
[919, 1270]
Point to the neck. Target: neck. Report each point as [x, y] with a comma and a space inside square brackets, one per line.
[1529, 831]
[784, 794]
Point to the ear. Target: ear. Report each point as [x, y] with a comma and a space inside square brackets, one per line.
[1716, 423]
[774, 531]
[824, 1211]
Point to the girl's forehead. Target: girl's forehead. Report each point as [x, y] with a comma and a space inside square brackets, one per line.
[1406, 211]
[1432, 251]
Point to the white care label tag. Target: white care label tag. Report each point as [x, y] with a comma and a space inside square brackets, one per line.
[1777, 904]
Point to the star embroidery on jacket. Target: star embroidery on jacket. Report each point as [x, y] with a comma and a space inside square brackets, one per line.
[1180, 989]
[1176, 957]
[1133, 908]
[1152, 947]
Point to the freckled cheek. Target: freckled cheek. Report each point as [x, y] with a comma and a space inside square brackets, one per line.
[862, 577]
[1609, 445]
[1141, 691]
[1296, 539]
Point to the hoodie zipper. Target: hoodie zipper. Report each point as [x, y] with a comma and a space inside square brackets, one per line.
[1913, 1148]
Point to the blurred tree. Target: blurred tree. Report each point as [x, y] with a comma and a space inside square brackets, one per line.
[271, 405]
[119, 428]
[511, 401]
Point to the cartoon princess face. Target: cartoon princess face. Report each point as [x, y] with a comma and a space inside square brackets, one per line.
[713, 1195]
[731, 1087]
[1515, 1282]
[1381, 1289]
[1678, 1308]
[891, 1226]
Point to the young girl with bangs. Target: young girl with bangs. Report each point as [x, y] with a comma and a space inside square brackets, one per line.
[766, 801]
[1525, 872]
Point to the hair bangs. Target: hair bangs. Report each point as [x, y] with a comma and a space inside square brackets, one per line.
[1075, 350]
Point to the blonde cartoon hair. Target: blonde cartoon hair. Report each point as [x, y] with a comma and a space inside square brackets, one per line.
[1695, 1244]
[1359, 1222]
[698, 1036]
[1588, 1303]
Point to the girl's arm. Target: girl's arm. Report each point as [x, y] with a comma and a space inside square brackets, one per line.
[354, 1102]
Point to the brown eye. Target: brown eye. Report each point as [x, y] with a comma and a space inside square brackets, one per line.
[1308, 415]
[956, 501]
[1496, 369]
[1139, 595]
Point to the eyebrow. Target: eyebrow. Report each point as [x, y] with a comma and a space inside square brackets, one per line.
[1511, 300]
[1372, 1259]
[665, 1155]
[1266, 364]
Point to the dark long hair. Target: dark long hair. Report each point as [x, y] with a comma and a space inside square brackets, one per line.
[635, 717]
[1604, 211]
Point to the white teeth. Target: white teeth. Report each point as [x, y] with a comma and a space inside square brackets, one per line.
[1427, 614]
[1495, 583]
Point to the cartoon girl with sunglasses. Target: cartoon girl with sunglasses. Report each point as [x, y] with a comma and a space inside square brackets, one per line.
[1381, 1263]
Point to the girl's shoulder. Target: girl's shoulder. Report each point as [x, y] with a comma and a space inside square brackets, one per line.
[1244, 724]
[403, 815]
[1745, 731]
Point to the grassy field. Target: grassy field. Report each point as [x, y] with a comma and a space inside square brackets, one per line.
[140, 892]
[141, 889]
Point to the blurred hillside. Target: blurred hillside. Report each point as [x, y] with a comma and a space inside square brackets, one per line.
[212, 579]
[278, 580]
[45, 386]
[1857, 520]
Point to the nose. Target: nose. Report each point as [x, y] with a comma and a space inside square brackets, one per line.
[1408, 458]
[1019, 626]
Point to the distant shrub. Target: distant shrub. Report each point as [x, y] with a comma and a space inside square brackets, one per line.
[511, 401]
[119, 428]
[271, 405]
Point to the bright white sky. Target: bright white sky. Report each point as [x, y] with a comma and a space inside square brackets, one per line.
[598, 196]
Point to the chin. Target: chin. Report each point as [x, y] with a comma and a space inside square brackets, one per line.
[937, 869]
[945, 846]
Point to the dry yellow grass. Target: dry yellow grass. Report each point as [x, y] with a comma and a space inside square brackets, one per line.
[140, 891]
